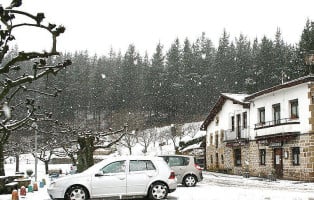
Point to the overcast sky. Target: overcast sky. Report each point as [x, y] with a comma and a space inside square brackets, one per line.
[97, 25]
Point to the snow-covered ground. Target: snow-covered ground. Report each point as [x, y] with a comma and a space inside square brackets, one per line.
[215, 186]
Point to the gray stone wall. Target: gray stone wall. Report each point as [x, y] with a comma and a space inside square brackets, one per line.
[250, 154]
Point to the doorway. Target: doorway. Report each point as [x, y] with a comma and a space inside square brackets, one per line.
[278, 166]
[238, 126]
[217, 160]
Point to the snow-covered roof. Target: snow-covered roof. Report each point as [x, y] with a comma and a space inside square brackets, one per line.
[301, 80]
[199, 134]
[186, 138]
[193, 146]
[237, 97]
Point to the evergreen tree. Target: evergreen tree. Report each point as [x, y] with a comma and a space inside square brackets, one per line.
[172, 87]
[243, 62]
[129, 78]
[204, 56]
[223, 66]
[62, 106]
[281, 60]
[307, 38]
[306, 46]
[264, 65]
[81, 92]
[100, 91]
[251, 80]
[153, 83]
[190, 79]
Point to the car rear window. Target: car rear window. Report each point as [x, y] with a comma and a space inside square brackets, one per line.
[141, 165]
[178, 161]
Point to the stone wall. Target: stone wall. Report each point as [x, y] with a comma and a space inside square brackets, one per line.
[304, 171]
[250, 154]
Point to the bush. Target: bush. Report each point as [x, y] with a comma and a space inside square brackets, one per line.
[29, 172]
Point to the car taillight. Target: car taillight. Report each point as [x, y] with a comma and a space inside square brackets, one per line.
[197, 167]
[172, 175]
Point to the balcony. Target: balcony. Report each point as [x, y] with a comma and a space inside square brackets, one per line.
[279, 122]
[238, 134]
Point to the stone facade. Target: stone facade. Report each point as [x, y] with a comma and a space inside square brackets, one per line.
[222, 159]
[280, 145]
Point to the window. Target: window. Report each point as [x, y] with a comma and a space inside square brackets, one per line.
[244, 120]
[211, 159]
[141, 165]
[217, 121]
[216, 140]
[222, 159]
[237, 157]
[217, 159]
[296, 155]
[115, 167]
[261, 115]
[232, 123]
[276, 113]
[262, 154]
[294, 109]
[178, 161]
[211, 139]
[222, 136]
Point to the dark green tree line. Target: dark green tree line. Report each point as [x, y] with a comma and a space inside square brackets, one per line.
[176, 84]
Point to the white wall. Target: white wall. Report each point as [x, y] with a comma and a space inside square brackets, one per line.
[228, 109]
[283, 97]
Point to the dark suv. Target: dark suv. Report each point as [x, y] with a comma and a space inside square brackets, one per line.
[187, 171]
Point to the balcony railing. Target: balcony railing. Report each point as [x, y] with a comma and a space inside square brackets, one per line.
[278, 122]
[238, 133]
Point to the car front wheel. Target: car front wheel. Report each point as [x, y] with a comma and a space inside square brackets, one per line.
[76, 193]
[158, 191]
[189, 181]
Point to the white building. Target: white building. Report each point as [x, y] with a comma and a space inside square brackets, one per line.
[270, 131]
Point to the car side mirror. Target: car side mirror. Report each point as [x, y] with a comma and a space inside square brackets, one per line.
[100, 173]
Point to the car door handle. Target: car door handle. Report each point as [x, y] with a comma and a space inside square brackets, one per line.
[121, 178]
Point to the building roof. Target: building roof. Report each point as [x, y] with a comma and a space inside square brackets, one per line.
[292, 83]
[236, 98]
[245, 99]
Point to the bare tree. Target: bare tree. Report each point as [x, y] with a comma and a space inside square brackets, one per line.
[129, 141]
[80, 145]
[15, 111]
[45, 152]
[174, 134]
[146, 137]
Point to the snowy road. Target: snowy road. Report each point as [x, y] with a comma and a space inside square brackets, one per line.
[226, 187]
[229, 187]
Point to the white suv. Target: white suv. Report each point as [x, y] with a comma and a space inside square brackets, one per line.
[116, 178]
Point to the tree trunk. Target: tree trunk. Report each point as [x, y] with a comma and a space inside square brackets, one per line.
[46, 166]
[2, 172]
[85, 155]
[17, 163]
[73, 160]
[130, 150]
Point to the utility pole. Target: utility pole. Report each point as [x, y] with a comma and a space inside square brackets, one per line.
[35, 127]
